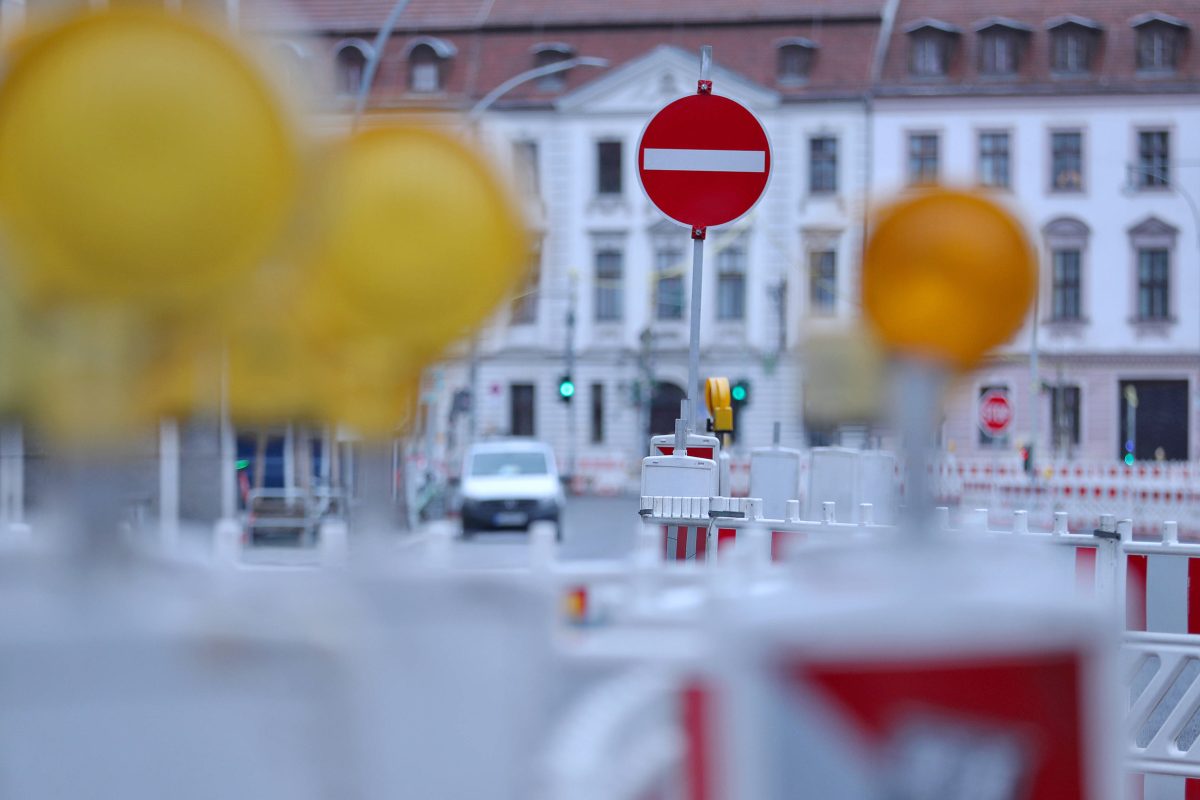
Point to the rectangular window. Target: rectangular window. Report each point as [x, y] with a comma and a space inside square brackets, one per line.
[525, 166]
[1065, 293]
[610, 285]
[1154, 166]
[928, 56]
[997, 53]
[985, 438]
[1064, 417]
[521, 411]
[1071, 50]
[525, 304]
[922, 158]
[1153, 284]
[1066, 159]
[731, 283]
[994, 160]
[822, 281]
[608, 167]
[668, 284]
[822, 164]
[597, 413]
[1157, 48]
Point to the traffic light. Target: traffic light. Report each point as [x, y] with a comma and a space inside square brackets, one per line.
[739, 393]
[1027, 458]
[566, 388]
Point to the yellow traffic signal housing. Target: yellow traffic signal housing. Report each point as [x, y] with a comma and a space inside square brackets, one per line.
[720, 405]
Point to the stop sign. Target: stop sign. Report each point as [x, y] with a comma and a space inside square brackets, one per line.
[995, 413]
[704, 160]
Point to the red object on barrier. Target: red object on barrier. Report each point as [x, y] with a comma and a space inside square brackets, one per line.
[1030, 710]
[1085, 570]
[1135, 593]
[697, 722]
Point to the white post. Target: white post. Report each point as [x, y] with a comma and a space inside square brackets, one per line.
[168, 482]
[12, 475]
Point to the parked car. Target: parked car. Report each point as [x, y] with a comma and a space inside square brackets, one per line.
[509, 483]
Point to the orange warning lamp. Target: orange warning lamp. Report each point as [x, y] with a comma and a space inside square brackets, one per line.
[720, 404]
[947, 275]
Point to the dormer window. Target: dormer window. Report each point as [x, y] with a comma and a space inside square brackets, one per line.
[547, 53]
[1001, 42]
[1073, 43]
[1160, 39]
[428, 59]
[930, 44]
[350, 60]
[795, 58]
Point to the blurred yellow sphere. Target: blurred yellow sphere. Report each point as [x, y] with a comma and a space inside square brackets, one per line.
[420, 240]
[142, 159]
[947, 275]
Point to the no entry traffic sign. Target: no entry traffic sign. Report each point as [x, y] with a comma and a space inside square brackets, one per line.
[704, 160]
[995, 413]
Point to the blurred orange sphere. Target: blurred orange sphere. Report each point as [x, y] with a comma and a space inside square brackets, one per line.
[947, 275]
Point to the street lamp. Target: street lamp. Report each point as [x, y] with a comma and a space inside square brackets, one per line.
[473, 118]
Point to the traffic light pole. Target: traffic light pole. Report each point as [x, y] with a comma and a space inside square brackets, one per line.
[570, 359]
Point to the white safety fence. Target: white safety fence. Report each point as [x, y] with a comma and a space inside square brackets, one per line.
[644, 610]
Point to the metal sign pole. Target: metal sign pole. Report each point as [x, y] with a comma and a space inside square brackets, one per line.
[690, 412]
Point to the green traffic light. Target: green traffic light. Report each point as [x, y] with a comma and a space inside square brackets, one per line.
[738, 392]
[242, 463]
[566, 389]
[1129, 459]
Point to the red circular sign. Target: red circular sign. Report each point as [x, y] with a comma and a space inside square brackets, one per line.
[704, 160]
[995, 413]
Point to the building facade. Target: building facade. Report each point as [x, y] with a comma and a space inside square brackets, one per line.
[1085, 119]
[1082, 117]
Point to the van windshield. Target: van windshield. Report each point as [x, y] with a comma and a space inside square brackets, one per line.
[515, 463]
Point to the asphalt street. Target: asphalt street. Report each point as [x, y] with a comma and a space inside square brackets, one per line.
[593, 528]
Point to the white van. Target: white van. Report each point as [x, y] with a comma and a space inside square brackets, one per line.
[509, 483]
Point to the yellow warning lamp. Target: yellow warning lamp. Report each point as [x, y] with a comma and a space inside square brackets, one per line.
[142, 160]
[947, 276]
[419, 242]
[720, 404]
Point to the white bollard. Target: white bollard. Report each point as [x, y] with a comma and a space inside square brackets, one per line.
[543, 545]
[1060, 524]
[941, 518]
[333, 542]
[439, 552]
[227, 541]
[828, 512]
[793, 511]
[1170, 533]
[1020, 522]
[866, 513]
[1125, 530]
[979, 520]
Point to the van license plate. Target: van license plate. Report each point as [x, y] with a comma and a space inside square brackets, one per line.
[511, 518]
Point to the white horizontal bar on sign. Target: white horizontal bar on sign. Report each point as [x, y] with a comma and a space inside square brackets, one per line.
[704, 160]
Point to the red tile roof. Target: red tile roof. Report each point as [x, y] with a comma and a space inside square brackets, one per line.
[491, 50]
[1113, 66]
[357, 15]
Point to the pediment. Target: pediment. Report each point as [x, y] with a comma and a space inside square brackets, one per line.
[666, 73]
[1153, 228]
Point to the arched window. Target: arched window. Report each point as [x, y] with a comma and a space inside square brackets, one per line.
[428, 60]
[546, 53]
[794, 60]
[350, 62]
[292, 63]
